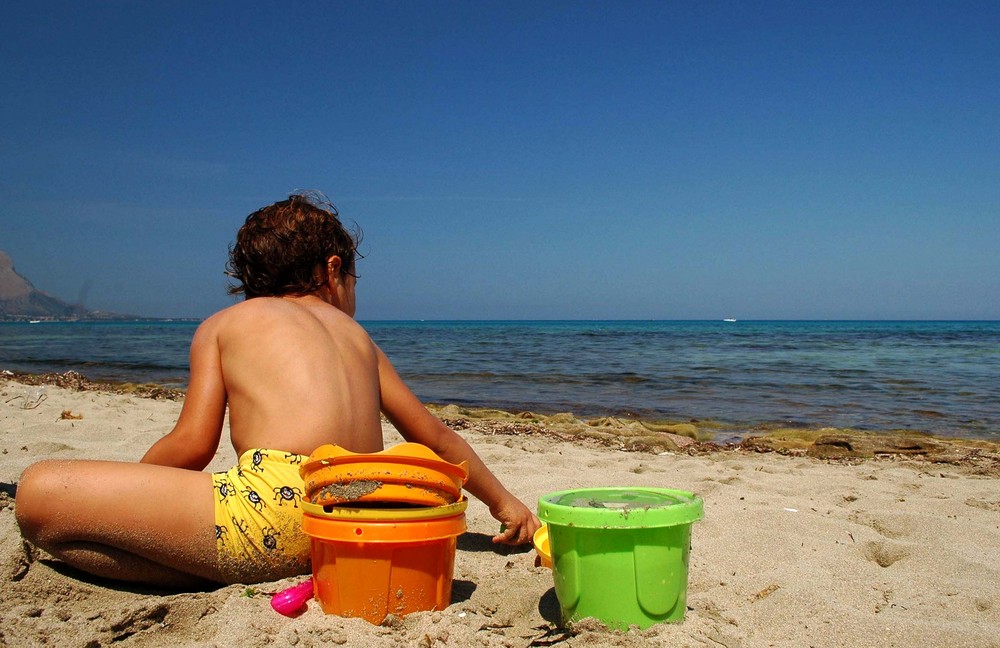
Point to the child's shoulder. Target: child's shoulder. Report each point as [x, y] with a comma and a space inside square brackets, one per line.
[245, 308]
[234, 314]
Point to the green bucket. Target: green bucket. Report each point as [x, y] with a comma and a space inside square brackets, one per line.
[620, 555]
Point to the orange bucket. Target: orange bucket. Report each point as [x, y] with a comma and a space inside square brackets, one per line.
[370, 563]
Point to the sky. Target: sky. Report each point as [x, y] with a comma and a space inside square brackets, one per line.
[515, 160]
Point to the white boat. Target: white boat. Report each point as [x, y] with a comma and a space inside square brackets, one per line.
[729, 319]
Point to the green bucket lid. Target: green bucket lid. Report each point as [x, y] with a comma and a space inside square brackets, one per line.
[620, 508]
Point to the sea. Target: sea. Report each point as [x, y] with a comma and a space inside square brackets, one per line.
[937, 377]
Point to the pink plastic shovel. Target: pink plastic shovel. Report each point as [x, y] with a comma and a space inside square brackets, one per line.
[291, 602]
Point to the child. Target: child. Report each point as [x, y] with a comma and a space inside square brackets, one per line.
[296, 372]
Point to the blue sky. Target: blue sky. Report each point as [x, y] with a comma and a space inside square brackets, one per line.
[509, 160]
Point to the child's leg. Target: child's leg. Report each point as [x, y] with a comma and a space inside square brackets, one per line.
[126, 521]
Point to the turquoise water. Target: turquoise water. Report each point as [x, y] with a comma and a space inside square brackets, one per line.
[941, 377]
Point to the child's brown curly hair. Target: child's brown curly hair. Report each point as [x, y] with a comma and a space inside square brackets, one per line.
[283, 248]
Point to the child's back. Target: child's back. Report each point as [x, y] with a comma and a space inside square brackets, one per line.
[297, 373]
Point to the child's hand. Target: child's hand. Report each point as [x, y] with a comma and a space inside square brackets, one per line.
[518, 523]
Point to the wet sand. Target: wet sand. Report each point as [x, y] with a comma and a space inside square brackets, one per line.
[900, 549]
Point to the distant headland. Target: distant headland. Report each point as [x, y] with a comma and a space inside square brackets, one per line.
[22, 302]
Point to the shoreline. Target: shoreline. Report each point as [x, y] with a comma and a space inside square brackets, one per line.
[638, 435]
[794, 550]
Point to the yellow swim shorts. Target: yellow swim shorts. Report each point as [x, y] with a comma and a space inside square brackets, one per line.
[258, 520]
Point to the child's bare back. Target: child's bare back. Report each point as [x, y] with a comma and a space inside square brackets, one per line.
[297, 374]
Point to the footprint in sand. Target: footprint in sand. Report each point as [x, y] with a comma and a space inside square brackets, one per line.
[884, 553]
[847, 498]
[888, 527]
[131, 622]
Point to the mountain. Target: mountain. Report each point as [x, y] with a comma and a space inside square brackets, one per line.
[19, 300]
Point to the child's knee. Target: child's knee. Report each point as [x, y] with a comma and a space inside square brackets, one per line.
[38, 485]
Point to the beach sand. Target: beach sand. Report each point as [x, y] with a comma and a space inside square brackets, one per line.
[793, 550]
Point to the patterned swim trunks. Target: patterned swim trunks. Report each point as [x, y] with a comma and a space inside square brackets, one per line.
[258, 520]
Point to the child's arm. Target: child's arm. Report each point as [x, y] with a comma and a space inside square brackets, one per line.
[416, 424]
[195, 437]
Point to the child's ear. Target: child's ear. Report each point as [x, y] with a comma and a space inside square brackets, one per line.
[333, 265]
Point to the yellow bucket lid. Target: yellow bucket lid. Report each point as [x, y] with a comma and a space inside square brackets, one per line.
[408, 473]
[412, 454]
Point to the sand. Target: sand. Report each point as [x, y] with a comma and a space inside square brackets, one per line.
[793, 550]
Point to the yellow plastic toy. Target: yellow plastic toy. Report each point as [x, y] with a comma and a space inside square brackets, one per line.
[407, 474]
